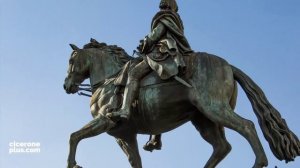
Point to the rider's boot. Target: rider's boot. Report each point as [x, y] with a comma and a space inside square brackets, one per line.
[130, 93]
[154, 143]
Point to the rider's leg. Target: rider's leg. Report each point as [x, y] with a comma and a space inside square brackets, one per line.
[131, 89]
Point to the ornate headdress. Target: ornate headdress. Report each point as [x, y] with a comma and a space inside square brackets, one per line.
[169, 4]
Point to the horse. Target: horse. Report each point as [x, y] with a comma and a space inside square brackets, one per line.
[163, 105]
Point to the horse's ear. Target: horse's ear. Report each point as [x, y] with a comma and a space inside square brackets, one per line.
[74, 47]
[94, 41]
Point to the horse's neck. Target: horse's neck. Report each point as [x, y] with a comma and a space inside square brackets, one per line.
[104, 65]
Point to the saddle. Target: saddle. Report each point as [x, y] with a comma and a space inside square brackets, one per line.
[152, 78]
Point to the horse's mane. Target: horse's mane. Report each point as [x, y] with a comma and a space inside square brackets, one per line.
[121, 54]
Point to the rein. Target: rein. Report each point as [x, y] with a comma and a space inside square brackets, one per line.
[90, 89]
[84, 88]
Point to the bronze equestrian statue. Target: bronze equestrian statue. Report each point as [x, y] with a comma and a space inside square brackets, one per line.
[163, 104]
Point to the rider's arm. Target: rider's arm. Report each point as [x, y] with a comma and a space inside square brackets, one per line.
[153, 37]
[157, 32]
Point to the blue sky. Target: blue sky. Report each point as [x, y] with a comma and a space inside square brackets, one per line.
[260, 37]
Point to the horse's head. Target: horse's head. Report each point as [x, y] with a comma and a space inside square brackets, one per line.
[97, 61]
[78, 70]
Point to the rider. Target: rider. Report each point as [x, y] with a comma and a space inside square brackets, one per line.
[162, 50]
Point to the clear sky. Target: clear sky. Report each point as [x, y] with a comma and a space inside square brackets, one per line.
[260, 37]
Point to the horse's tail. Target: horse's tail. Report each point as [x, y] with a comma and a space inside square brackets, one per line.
[283, 142]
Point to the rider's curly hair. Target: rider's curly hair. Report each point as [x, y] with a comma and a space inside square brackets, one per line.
[168, 5]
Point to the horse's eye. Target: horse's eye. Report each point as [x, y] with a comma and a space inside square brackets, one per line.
[71, 61]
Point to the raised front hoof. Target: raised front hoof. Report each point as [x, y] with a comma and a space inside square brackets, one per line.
[150, 146]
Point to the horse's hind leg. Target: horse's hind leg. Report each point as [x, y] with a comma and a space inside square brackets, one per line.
[222, 114]
[247, 129]
[130, 147]
[93, 128]
[213, 134]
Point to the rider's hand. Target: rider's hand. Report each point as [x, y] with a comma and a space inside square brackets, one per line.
[141, 45]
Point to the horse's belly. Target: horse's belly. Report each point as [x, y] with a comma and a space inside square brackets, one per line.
[163, 107]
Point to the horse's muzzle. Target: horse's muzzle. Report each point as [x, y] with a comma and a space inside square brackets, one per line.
[69, 87]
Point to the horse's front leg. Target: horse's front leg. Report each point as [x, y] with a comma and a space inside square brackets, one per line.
[97, 126]
[130, 147]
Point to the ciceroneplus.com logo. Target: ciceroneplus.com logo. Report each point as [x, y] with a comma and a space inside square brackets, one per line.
[24, 147]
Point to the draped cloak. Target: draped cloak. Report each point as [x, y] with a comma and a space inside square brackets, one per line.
[166, 45]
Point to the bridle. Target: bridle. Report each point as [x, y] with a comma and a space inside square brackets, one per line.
[84, 88]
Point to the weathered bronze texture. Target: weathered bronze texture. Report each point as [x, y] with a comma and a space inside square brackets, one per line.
[163, 105]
